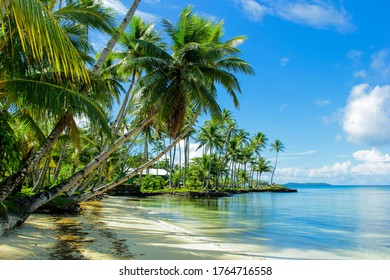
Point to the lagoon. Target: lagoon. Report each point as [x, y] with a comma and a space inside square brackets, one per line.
[317, 222]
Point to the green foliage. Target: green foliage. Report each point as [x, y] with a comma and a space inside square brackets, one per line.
[151, 182]
[9, 146]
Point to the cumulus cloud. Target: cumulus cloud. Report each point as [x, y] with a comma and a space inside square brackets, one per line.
[318, 14]
[374, 162]
[365, 167]
[366, 117]
[326, 173]
[372, 156]
[253, 9]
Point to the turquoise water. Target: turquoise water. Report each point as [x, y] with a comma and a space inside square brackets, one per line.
[317, 222]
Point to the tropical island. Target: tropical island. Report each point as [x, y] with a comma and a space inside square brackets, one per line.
[61, 141]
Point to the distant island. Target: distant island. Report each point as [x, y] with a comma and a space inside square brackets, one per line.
[308, 184]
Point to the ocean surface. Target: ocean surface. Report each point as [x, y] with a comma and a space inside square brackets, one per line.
[317, 222]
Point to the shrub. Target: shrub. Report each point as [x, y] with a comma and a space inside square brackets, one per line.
[151, 182]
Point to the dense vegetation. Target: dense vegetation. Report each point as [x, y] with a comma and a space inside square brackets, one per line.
[58, 134]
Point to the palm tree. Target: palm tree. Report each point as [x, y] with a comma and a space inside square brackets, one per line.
[258, 142]
[97, 67]
[210, 137]
[44, 92]
[261, 165]
[141, 36]
[188, 76]
[277, 146]
[41, 38]
[181, 81]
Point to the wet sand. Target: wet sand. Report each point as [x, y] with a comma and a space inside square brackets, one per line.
[106, 230]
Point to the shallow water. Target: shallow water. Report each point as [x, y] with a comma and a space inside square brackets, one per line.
[337, 222]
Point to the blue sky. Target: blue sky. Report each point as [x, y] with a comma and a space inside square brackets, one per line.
[322, 83]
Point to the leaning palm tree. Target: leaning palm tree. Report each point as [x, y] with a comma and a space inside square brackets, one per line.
[44, 90]
[277, 146]
[183, 80]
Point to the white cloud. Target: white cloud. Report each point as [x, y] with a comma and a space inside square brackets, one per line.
[253, 9]
[322, 102]
[360, 74]
[372, 156]
[374, 162]
[366, 117]
[121, 9]
[380, 63]
[116, 5]
[148, 17]
[318, 14]
[310, 152]
[366, 167]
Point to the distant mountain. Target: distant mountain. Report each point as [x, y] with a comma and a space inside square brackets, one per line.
[308, 184]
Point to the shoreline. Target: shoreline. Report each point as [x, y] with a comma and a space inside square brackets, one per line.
[112, 237]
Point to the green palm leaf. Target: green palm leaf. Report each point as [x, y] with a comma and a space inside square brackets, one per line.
[41, 36]
[49, 100]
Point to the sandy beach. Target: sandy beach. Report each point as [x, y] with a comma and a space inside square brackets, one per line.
[106, 231]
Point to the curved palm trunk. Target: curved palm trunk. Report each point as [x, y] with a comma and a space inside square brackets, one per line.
[28, 167]
[103, 189]
[41, 179]
[36, 201]
[59, 164]
[122, 111]
[97, 67]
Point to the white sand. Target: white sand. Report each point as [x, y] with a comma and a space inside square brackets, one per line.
[115, 233]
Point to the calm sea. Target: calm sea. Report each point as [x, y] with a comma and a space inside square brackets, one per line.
[317, 222]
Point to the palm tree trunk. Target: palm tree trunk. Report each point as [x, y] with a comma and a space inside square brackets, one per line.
[97, 67]
[122, 111]
[59, 164]
[36, 201]
[146, 149]
[260, 176]
[7, 186]
[273, 171]
[138, 170]
[210, 162]
[186, 156]
[42, 175]
[171, 167]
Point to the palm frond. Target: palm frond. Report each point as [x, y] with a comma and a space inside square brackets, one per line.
[52, 100]
[42, 36]
[94, 16]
